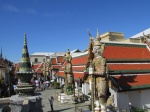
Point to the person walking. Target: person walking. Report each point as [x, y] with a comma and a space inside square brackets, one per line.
[51, 100]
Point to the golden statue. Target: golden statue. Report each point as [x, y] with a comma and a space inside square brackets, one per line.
[99, 64]
[69, 84]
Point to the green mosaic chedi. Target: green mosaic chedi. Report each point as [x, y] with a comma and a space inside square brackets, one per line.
[25, 73]
[25, 65]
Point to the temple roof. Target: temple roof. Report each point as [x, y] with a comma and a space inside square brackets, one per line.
[146, 32]
[38, 68]
[53, 61]
[121, 52]
[78, 66]
[132, 82]
[42, 53]
[122, 68]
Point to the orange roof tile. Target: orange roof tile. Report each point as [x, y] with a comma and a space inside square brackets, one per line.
[79, 60]
[60, 59]
[79, 68]
[141, 81]
[77, 75]
[126, 52]
[125, 67]
[53, 60]
[38, 67]
[35, 66]
[56, 66]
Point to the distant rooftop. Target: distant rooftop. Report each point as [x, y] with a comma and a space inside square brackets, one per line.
[78, 54]
[43, 53]
[54, 54]
[58, 54]
[145, 32]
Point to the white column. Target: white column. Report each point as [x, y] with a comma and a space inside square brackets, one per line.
[87, 86]
[76, 84]
[57, 79]
[83, 88]
[63, 82]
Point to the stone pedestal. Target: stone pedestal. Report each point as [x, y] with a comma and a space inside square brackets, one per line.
[25, 89]
[25, 104]
[97, 108]
[103, 108]
[63, 98]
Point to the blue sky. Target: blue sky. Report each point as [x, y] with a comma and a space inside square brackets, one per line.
[56, 25]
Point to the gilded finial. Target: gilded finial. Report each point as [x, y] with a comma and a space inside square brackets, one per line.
[89, 33]
[69, 51]
[97, 32]
[25, 39]
[91, 38]
[98, 35]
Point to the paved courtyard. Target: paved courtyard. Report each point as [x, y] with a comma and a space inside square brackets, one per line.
[58, 107]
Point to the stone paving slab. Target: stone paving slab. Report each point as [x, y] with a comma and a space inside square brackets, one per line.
[59, 107]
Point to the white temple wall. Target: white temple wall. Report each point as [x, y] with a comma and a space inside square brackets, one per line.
[63, 81]
[85, 88]
[145, 99]
[76, 84]
[139, 99]
[135, 98]
[57, 79]
[122, 101]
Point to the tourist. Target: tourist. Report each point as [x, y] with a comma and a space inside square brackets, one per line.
[44, 85]
[37, 85]
[51, 100]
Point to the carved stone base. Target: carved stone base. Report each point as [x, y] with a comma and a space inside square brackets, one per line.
[25, 104]
[25, 89]
[97, 109]
[103, 108]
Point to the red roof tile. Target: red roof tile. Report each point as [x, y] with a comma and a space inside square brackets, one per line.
[79, 60]
[56, 66]
[79, 68]
[133, 82]
[126, 52]
[60, 59]
[38, 68]
[76, 74]
[53, 60]
[126, 66]
[35, 66]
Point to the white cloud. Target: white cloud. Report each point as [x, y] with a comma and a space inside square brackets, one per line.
[11, 8]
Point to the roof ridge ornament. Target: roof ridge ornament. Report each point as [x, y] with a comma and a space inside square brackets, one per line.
[91, 38]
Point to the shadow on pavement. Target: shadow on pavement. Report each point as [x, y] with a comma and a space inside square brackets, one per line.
[61, 110]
